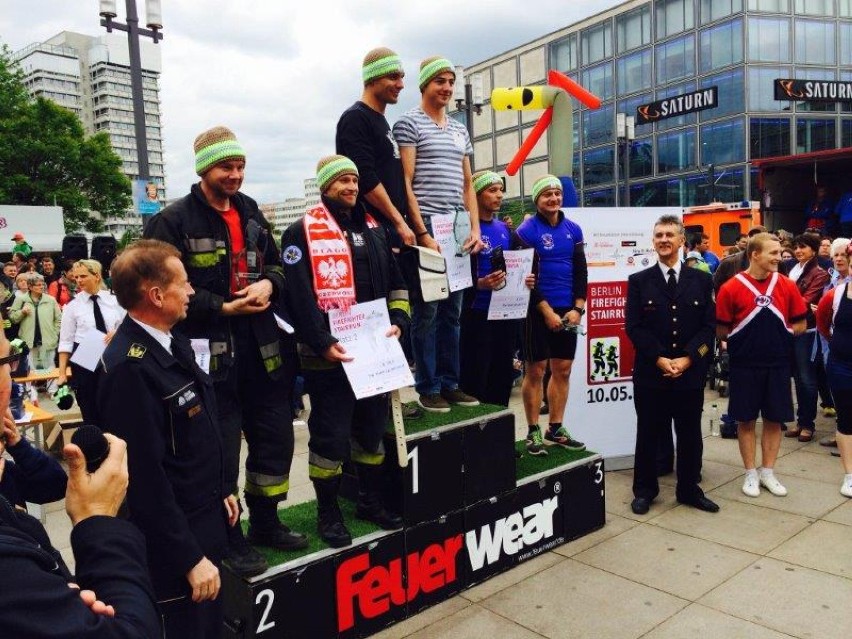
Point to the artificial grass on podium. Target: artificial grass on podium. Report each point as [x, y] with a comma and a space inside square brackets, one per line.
[527, 464]
[303, 518]
[430, 421]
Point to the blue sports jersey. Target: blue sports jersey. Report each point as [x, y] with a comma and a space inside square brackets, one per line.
[555, 247]
[494, 233]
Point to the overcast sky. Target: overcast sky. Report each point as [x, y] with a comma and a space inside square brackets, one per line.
[279, 73]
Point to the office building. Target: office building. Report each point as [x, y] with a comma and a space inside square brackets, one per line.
[91, 77]
[644, 51]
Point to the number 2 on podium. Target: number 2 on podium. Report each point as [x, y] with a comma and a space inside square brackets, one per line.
[264, 624]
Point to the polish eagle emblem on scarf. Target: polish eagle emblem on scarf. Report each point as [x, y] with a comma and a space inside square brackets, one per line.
[333, 272]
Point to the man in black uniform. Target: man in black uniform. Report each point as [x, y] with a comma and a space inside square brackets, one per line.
[35, 597]
[152, 393]
[234, 266]
[364, 136]
[670, 318]
[335, 256]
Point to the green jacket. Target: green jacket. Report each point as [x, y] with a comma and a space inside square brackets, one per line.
[49, 318]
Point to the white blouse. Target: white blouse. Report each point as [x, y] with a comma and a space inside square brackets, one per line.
[78, 317]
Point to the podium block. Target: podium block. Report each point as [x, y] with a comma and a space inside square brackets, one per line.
[489, 457]
[584, 498]
[451, 466]
[430, 486]
[293, 601]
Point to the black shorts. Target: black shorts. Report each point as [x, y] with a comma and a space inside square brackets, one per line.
[540, 343]
[760, 391]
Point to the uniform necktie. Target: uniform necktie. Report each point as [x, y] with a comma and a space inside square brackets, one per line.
[100, 324]
[671, 283]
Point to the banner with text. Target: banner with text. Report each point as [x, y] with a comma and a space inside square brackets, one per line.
[600, 404]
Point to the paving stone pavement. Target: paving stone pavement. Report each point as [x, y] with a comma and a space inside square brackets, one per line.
[761, 568]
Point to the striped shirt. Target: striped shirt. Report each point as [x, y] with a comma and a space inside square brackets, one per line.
[438, 175]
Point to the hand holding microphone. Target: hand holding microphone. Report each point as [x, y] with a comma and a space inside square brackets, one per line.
[98, 478]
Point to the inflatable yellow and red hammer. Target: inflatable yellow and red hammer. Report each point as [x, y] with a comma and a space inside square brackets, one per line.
[553, 98]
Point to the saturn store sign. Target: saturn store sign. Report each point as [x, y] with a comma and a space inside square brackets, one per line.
[813, 91]
[678, 105]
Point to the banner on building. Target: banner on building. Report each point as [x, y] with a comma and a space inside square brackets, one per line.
[600, 405]
[145, 200]
[707, 98]
[813, 90]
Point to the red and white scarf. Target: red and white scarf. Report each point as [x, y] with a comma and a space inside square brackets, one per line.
[331, 259]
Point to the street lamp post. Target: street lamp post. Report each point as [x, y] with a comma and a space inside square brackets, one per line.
[625, 133]
[468, 96]
[154, 23]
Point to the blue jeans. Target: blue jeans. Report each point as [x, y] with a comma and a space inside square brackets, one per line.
[435, 332]
[804, 376]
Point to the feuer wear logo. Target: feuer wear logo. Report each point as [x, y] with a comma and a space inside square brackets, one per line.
[187, 396]
[333, 273]
[375, 588]
[762, 301]
[547, 241]
[486, 245]
[511, 534]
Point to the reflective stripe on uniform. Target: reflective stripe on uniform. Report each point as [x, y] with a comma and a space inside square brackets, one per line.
[321, 468]
[201, 244]
[271, 355]
[203, 260]
[361, 456]
[266, 485]
[400, 305]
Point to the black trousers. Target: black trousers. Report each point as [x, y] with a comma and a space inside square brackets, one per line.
[656, 409]
[251, 402]
[183, 618]
[84, 384]
[338, 419]
[487, 350]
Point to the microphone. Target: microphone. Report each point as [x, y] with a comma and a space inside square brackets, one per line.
[93, 444]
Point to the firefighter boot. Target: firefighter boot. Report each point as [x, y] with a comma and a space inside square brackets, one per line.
[265, 529]
[370, 506]
[241, 557]
[329, 518]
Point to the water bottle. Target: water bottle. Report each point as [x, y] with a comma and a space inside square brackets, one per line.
[714, 421]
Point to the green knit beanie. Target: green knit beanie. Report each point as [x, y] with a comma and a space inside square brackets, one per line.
[543, 183]
[379, 63]
[430, 67]
[483, 179]
[216, 145]
[332, 167]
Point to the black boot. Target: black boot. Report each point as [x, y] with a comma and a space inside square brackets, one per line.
[242, 559]
[370, 506]
[265, 529]
[329, 518]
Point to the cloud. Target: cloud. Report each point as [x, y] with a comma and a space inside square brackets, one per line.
[281, 73]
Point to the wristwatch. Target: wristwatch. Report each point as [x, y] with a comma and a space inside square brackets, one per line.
[581, 311]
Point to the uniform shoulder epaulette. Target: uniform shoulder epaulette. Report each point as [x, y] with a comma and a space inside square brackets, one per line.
[136, 351]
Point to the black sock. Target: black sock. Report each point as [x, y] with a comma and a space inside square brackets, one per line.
[554, 426]
[531, 428]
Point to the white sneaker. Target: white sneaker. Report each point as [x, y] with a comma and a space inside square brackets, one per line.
[846, 486]
[751, 486]
[771, 483]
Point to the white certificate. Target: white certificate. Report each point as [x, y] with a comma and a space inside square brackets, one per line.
[378, 364]
[511, 301]
[458, 267]
[89, 350]
[201, 350]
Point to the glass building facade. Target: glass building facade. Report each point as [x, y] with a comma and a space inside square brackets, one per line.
[642, 51]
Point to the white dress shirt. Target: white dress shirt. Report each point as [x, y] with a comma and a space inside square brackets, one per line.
[163, 339]
[78, 318]
[665, 270]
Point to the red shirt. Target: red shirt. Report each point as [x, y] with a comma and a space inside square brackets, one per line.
[760, 324]
[239, 262]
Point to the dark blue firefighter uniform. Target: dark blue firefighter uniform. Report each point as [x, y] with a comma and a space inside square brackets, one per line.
[669, 324]
[163, 406]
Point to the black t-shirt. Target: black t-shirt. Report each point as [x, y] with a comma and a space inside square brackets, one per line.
[364, 136]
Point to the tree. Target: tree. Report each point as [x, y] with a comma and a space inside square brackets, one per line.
[516, 208]
[47, 159]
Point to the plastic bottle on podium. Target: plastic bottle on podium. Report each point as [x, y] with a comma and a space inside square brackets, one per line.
[714, 421]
